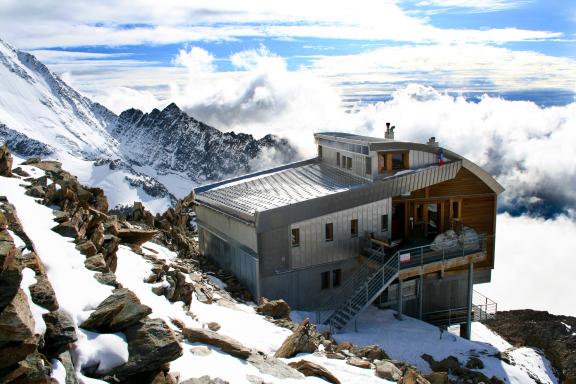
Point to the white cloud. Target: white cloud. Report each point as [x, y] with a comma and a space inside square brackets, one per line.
[196, 60]
[478, 5]
[68, 23]
[120, 99]
[534, 267]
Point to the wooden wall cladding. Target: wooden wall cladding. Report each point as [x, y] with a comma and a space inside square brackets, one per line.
[465, 183]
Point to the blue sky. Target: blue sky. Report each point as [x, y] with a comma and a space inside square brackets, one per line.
[518, 49]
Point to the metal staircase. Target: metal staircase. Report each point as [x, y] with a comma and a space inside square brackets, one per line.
[375, 275]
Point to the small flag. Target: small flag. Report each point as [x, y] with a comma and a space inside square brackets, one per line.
[440, 156]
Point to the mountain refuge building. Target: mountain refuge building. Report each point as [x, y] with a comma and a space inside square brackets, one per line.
[367, 221]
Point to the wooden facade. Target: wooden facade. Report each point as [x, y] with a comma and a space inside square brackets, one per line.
[464, 200]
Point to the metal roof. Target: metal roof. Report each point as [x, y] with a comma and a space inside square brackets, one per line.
[287, 186]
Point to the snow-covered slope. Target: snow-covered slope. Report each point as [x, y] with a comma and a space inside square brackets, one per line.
[36, 104]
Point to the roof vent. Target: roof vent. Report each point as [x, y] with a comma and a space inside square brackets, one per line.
[389, 134]
[432, 142]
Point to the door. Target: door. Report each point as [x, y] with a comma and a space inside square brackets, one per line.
[398, 219]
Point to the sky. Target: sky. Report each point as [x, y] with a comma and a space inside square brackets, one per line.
[493, 80]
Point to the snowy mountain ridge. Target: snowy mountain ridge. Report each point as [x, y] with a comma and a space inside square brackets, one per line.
[165, 151]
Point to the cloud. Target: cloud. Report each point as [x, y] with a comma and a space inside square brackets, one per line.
[476, 5]
[120, 99]
[196, 60]
[68, 23]
[534, 267]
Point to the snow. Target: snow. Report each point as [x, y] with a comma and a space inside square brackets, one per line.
[74, 285]
[106, 350]
[58, 371]
[28, 279]
[408, 339]
[18, 242]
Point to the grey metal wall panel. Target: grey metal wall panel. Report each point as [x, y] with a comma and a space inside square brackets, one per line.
[235, 229]
[314, 249]
[230, 258]
[273, 246]
[329, 156]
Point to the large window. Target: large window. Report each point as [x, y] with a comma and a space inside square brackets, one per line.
[344, 161]
[329, 232]
[349, 162]
[337, 159]
[354, 228]
[384, 223]
[295, 237]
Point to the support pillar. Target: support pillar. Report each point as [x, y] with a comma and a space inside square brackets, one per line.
[420, 295]
[467, 331]
[399, 311]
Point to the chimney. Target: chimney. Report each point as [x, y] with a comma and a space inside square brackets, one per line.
[432, 142]
[389, 134]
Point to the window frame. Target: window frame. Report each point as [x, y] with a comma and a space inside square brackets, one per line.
[325, 280]
[295, 237]
[354, 228]
[384, 223]
[326, 232]
[336, 277]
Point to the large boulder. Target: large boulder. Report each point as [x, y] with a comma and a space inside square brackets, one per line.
[14, 352]
[5, 161]
[135, 236]
[16, 321]
[10, 271]
[312, 369]
[303, 339]
[204, 380]
[278, 309]
[388, 371]
[151, 344]
[272, 366]
[413, 377]
[117, 312]
[33, 369]
[60, 333]
[227, 344]
[370, 352]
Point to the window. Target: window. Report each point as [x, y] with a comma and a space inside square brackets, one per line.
[295, 237]
[336, 278]
[384, 223]
[320, 152]
[349, 162]
[325, 280]
[329, 231]
[368, 165]
[354, 228]
[456, 209]
[337, 159]
[344, 161]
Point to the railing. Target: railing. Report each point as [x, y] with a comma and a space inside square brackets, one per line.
[325, 310]
[484, 307]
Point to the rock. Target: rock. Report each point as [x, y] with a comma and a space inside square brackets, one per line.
[204, 380]
[388, 371]
[67, 229]
[36, 191]
[32, 160]
[179, 289]
[87, 248]
[96, 263]
[151, 344]
[109, 248]
[344, 346]
[16, 321]
[136, 237]
[200, 351]
[66, 361]
[312, 369]
[336, 356]
[370, 352]
[5, 161]
[302, 340]
[97, 237]
[12, 353]
[413, 377]
[43, 294]
[474, 363]
[107, 278]
[213, 326]
[227, 344]
[117, 312]
[202, 294]
[449, 364]
[437, 377]
[278, 309]
[20, 172]
[60, 332]
[33, 369]
[272, 366]
[10, 272]
[365, 364]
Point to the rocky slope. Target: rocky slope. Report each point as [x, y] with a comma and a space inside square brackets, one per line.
[555, 335]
